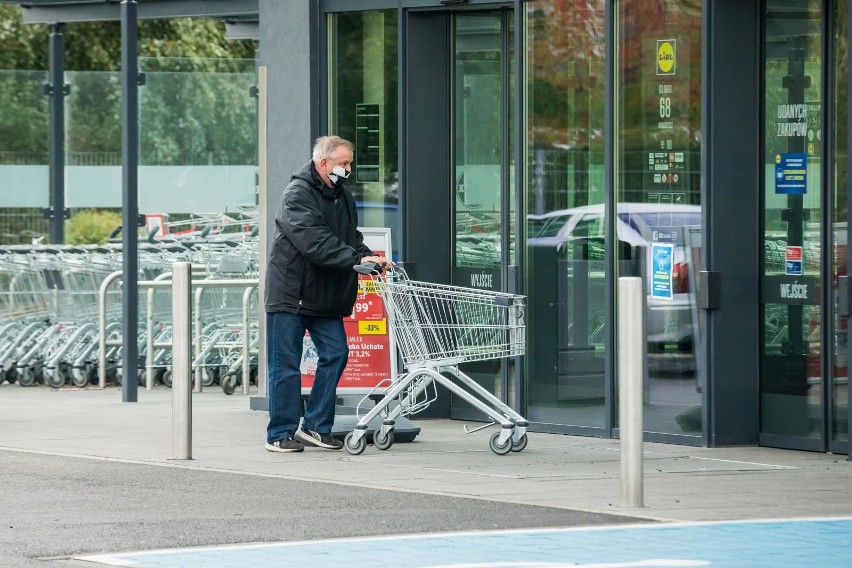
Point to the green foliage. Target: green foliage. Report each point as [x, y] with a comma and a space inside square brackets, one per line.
[91, 226]
[199, 117]
[96, 46]
[194, 109]
[23, 119]
[21, 47]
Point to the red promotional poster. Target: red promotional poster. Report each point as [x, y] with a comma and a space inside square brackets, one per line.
[369, 341]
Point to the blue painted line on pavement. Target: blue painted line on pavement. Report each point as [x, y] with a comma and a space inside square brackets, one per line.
[826, 543]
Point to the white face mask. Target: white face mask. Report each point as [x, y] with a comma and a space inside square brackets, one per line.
[338, 172]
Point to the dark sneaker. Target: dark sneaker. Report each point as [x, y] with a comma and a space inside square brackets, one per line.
[311, 438]
[285, 445]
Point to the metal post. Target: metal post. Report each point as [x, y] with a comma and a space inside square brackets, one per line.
[630, 374]
[246, 339]
[102, 327]
[57, 91]
[129, 200]
[199, 340]
[149, 333]
[263, 233]
[181, 361]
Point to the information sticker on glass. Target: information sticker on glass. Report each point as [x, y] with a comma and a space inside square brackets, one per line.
[662, 271]
[793, 264]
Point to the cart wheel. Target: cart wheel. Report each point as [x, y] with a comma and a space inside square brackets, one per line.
[383, 443]
[166, 379]
[498, 449]
[354, 448]
[26, 377]
[12, 375]
[79, 377]
[91, 372]
[54, 378]
[520, 445]
[228, 384]
[208, 379]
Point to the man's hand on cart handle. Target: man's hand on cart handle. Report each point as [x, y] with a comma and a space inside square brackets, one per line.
[380, 262]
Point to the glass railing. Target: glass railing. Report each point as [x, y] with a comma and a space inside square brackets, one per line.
[197, 142]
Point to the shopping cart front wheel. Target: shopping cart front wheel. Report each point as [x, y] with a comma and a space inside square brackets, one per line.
[355, 447]
[497, 447]
[383, 442]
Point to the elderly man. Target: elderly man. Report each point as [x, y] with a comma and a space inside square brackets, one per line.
[310, 285]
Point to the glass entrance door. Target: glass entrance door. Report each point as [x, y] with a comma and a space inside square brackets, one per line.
[797, 298]
[483, 170]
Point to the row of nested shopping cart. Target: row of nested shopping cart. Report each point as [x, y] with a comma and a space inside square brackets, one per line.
[55, 308]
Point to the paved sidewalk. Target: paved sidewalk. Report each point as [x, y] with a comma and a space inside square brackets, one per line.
[576, 474]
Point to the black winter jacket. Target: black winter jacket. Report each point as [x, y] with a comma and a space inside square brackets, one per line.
[315, 245]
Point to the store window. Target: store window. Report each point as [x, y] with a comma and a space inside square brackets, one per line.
[363, 89]
[564, 192]
[658, 177]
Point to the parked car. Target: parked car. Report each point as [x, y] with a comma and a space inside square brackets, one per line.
[638, 225]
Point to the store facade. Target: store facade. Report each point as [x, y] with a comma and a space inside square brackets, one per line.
[548, 147]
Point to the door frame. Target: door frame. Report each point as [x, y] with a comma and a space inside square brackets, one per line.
[507, 275]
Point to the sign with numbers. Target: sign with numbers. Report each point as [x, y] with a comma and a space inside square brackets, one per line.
[372, 356]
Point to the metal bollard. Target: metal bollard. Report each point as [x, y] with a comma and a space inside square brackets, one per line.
[630, 374]
[181, 361]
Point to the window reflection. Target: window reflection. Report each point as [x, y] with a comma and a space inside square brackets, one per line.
[658, 176]
[565, 196]
[364, 71]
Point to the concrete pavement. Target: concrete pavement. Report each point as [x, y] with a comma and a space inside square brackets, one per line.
[556, 481]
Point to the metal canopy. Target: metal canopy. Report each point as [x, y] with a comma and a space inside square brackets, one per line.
[67, 11]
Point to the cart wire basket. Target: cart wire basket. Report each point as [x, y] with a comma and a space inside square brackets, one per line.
[435, 328]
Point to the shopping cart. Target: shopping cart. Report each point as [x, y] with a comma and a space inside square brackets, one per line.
[436, 328]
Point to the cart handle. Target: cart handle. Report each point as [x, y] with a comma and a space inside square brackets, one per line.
[367, 268]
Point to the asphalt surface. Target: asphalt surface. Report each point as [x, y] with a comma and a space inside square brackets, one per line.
[54, 507]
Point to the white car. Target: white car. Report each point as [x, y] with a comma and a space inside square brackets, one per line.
[670, 322]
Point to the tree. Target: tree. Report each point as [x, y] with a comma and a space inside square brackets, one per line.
[212, 105]
[96, 46]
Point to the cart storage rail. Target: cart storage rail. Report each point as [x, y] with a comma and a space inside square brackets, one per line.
[435, 328]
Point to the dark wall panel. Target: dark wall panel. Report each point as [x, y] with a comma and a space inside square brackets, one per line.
[427, 160]
[426, 152]
[731, 198]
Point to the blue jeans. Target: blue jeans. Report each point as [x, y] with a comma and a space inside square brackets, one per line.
[284, 333]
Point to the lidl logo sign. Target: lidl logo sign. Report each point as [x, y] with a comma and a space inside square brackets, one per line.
[666, 50]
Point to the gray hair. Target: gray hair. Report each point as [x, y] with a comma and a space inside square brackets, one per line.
[325, 146]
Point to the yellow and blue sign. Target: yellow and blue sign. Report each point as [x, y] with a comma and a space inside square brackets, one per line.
[666, 56]
[791, 173]
[662, 271]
